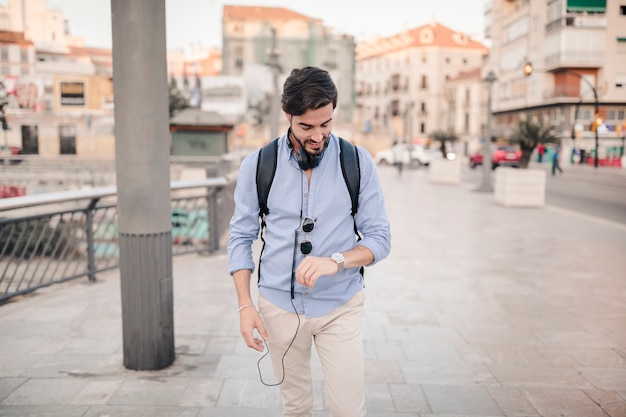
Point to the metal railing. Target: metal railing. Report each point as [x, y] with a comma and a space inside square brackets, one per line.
[55, 237]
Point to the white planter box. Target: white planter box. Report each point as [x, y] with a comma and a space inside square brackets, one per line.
[444, 171]
[515, 187]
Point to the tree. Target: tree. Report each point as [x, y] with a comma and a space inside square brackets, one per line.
[528, 134]
[443, 137]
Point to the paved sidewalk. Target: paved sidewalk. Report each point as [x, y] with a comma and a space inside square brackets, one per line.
[480, 310]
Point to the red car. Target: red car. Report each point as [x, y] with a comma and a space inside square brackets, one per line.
[502, 156]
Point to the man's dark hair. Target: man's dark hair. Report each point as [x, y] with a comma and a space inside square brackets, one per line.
[308, 88]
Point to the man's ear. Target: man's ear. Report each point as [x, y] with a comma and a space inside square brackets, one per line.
[288, 117]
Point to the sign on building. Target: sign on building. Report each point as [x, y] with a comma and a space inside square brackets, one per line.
[72, 94]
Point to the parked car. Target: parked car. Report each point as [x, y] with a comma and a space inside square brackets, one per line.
[502, 156]
[419, 156]
[10, 150]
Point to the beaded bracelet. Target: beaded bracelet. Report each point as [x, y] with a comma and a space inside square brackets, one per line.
[246, 306]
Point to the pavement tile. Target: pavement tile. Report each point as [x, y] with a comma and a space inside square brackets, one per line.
[12, 366]
[8, 385]
[140, 411]
[52, 366]
[202, 392]
[54, 391]
[248, 393]
[97, 391]
[152, 391]
[416, 372]
[408, 398]
[559, 402]
[48, 410]
[610, 402]
[378, 399]
[238, 412]
[455, 399]
[383, 371]
[512, 402]
[605, 378]
[531, 376]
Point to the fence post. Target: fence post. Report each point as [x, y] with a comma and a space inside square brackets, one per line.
[213, 222]
[91, 258]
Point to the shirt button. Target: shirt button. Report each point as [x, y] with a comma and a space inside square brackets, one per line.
[306, 195]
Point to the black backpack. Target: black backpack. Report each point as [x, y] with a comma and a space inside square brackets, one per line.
[266, 169]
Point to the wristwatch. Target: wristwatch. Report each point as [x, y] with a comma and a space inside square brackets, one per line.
[339, 259]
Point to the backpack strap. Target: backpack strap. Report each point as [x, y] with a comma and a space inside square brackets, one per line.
[351, 170]
[265, 171]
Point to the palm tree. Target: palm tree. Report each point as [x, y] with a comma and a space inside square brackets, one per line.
[530, 133]
[442, 137]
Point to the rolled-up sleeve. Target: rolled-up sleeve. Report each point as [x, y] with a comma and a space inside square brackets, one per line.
[371, 219]
[244, 224]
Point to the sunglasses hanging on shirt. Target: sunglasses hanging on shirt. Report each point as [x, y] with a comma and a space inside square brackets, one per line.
[308, 224]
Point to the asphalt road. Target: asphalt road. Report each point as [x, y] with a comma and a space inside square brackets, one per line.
[593, 191]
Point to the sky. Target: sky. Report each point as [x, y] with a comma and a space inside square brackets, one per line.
[199, 21]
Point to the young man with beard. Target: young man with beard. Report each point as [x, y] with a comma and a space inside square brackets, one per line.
[310, 285]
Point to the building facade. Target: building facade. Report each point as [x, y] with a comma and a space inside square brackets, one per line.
[299, 40]
[403, 83]
[465, 110]
[58, 94]
[577, 52]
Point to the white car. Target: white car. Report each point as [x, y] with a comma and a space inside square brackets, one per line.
[419, 156]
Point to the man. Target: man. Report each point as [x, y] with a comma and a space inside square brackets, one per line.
[555, 160]
[310, 246]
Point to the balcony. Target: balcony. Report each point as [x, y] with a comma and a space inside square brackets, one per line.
[574, 59]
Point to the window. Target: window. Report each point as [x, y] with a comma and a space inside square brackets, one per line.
[238, 53]
[395, 108]
[4, 53]
[30, 139]
[331, 60]
[424, 84]
[24, 55]
[395, 82]
[67, 139]
[622, 10]
[422, 127]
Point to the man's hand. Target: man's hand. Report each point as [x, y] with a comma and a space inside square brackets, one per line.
[248, 322]
[313, 267]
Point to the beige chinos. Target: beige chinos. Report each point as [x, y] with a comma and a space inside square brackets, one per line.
[338, 340]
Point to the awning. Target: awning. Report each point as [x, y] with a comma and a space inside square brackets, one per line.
[590, 6]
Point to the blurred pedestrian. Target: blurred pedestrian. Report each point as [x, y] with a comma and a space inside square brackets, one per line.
[555, 160]
[401, 156]
[541, 150]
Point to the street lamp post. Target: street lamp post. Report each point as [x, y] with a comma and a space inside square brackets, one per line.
[274, 65]
[597, 121]
[487, 185]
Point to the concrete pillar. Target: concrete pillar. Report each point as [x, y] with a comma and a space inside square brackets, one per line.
[143, 182]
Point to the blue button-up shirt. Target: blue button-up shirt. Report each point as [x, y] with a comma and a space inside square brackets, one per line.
[291, 200]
